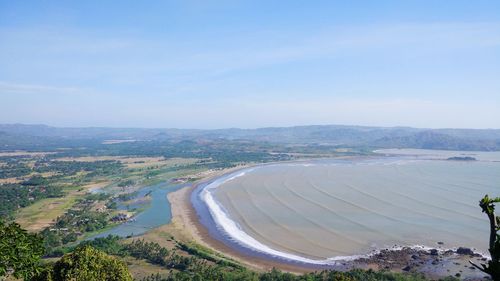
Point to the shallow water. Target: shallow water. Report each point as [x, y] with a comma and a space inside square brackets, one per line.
[156, 212]
[328, 208]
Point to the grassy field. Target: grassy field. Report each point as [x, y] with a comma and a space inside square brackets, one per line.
[133, 162]
[42, 213]
[141, 268]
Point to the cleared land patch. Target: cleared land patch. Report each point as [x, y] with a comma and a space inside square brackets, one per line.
[24, 153]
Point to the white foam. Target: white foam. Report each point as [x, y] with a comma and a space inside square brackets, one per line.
[234, 231]
[238, 235]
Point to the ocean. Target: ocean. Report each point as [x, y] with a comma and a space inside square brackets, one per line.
[321, 211]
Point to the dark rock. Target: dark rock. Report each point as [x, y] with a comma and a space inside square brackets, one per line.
[440, 243]
[433, 252]
[407, 268]
[460, 158]
[415, 257]
[464, 251]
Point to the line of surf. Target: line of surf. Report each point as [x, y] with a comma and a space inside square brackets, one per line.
[233, 230]
[238, 235]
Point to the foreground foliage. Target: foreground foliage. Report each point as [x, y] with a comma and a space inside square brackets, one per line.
[98, 260]
[201, 265]
[87, 264]
[493, 266]
[276, 275]
[20, 251]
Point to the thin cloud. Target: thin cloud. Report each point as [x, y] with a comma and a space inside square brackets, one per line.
[275, 47]
[14, 88]
[167, 77]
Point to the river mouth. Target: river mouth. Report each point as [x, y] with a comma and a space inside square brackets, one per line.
[321, 212]
[156, 211]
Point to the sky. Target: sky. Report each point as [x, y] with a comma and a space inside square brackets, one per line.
[248, 64]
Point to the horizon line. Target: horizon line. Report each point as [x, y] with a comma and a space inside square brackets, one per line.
[240, 128]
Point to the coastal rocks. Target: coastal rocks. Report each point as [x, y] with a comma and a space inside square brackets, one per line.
[433, 263]
[390, 259]
[465, 251]
[407, 268]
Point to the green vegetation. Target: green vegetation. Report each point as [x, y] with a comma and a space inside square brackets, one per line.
[57, 184]
[15, 196]
[20, 251]
[13, 167]
[276, 275]
[69, 168]
[29, 187]
[93, 260]
[72, 224]
[126, 183]
[87, 264]
[200, 265]
[492, 268]
[149, 251]
[19, 166]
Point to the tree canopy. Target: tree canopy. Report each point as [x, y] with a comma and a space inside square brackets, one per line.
[487, 204]
[88, 264]
[20, 251]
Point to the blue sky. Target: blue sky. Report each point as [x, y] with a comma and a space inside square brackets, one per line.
[217, 64]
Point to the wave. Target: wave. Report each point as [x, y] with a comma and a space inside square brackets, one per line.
[238, 235]
[232, 229]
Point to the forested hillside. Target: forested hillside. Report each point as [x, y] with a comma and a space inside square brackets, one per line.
[18, 136]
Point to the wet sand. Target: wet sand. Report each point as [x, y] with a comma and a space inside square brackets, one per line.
[348, 208]
[187, 224]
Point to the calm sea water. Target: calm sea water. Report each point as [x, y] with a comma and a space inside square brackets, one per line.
[328, 208]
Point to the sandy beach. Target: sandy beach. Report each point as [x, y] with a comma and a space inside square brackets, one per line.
[187, 227]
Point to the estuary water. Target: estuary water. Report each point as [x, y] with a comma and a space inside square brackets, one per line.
[156, 212]
[325, 210]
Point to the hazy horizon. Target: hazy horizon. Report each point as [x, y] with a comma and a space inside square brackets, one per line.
[250, 64]
[240, 128]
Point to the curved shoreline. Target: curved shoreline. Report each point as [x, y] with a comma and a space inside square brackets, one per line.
[232, 232]
[192, 224]
[212, 216]
[189, 227]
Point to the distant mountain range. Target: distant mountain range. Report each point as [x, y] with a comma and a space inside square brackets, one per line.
[340, 135]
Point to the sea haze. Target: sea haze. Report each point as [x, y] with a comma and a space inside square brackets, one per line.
[330, 208]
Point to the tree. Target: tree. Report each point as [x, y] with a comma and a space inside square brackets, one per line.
[20, 251]
[493, 266]
[88, 264]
